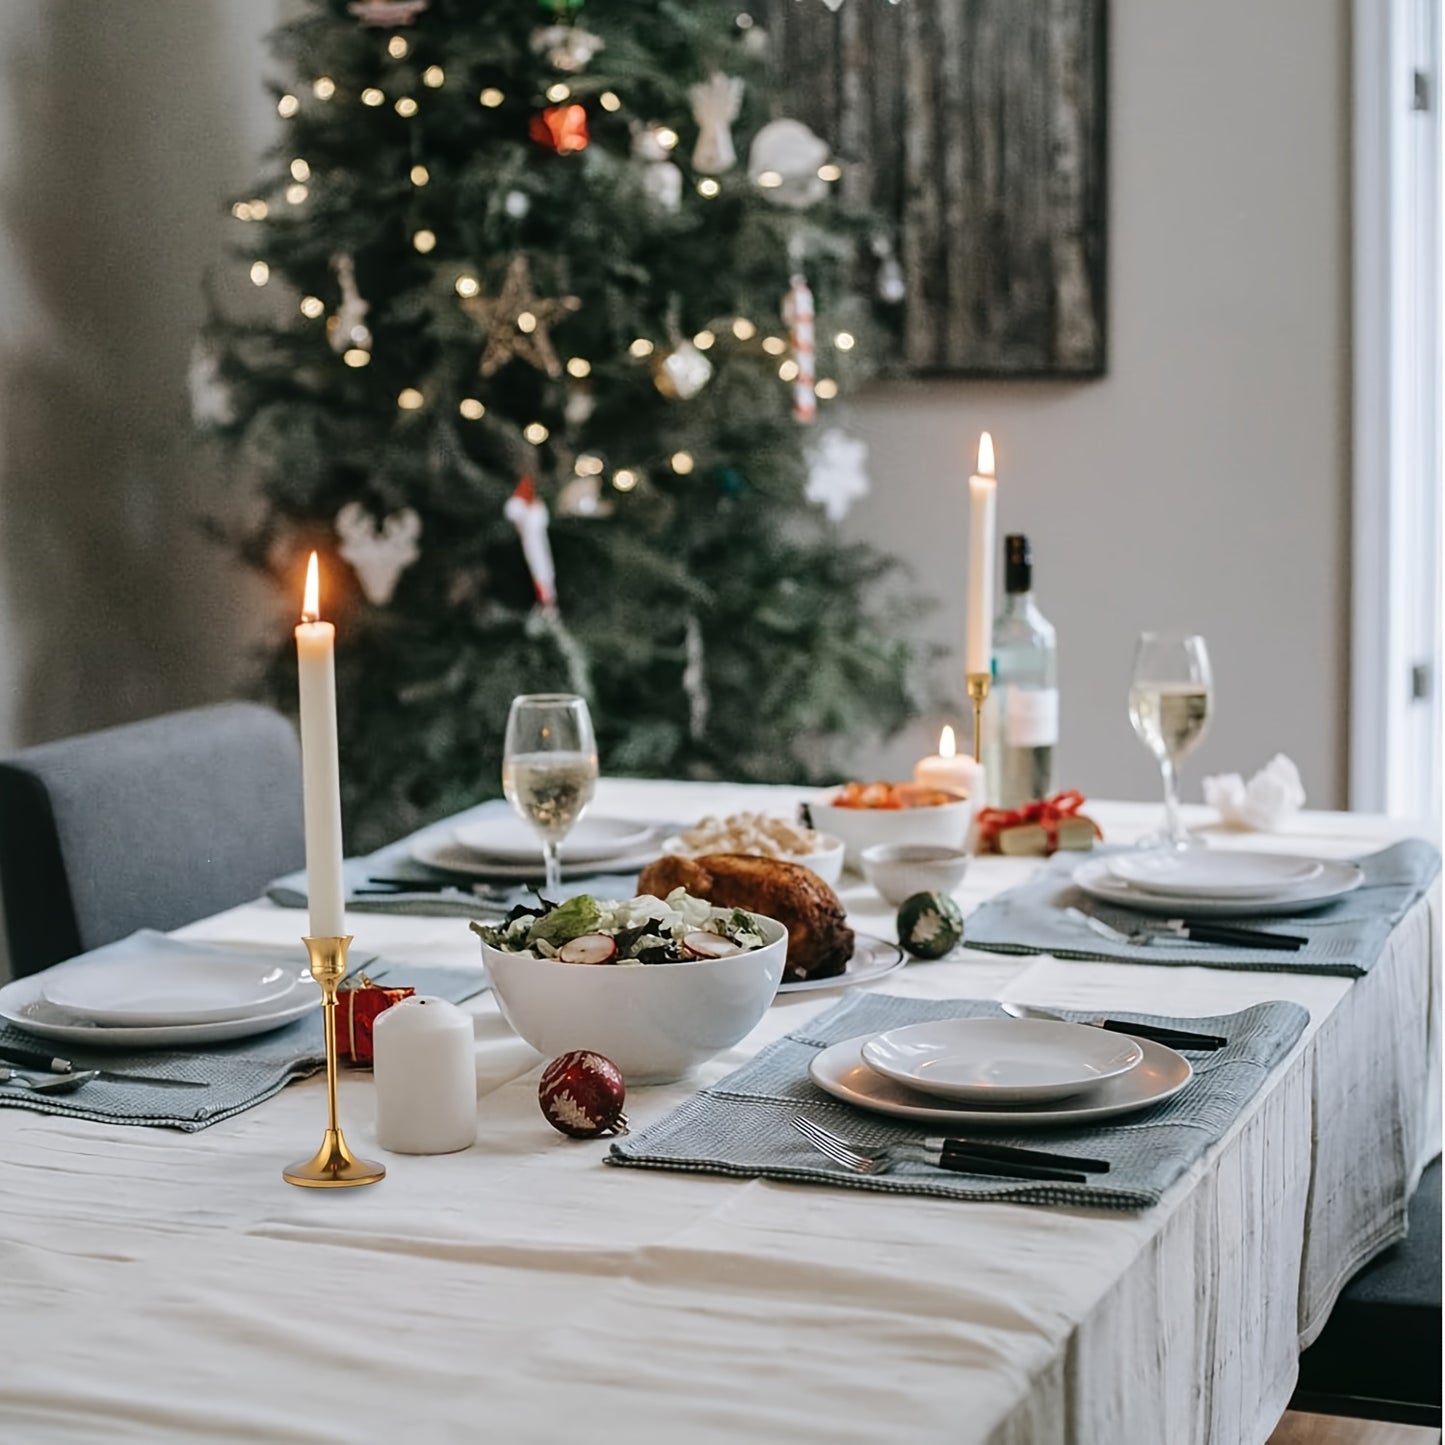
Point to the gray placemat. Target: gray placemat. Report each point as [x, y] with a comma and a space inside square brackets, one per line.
[1345, 937]
[240, 1074]
[740, 1125]
[465, 898]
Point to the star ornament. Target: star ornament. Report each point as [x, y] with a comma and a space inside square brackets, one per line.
[517, 321]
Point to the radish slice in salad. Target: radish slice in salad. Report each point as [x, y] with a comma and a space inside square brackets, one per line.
[591, 948]
[710, 945]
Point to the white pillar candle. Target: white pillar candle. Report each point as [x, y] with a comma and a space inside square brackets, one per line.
[949, 769]
[320, 764]
[982, 491]
[426, 1077]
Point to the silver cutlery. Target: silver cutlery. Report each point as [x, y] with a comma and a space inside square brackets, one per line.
[32, 1059]
[1159, 1033]
[958, 1155]
[61, 1084]
[1229, 935]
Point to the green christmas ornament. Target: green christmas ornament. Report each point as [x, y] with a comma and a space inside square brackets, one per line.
[929, 925]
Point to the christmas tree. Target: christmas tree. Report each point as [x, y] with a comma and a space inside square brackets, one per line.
[542, 383]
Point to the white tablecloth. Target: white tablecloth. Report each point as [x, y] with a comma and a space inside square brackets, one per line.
[159, 1286]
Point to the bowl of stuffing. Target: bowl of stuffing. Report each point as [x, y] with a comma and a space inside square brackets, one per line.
[758, 835]
[658, 985]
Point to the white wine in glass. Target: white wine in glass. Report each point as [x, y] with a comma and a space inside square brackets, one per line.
[549, 768]
[1170, 696]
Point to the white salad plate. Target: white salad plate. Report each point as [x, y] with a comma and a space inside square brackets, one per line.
[440, 851]
[1334, 881]
[505, 838]
[179, 988]
[842, 1072]
[1200, 873]
[1001, 1061]
[872, 958]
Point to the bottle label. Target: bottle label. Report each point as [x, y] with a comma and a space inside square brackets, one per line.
[1030, 717]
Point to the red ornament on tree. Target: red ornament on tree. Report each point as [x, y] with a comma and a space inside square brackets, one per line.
[562, 128]
[582, 1094]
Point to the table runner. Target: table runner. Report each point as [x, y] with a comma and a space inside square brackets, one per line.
[1345, 937]
[740, 1125]
[241, 1074]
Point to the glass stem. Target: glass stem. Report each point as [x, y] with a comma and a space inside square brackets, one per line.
[552, 862]
[1173, 828]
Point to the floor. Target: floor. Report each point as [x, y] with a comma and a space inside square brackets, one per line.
[1299, 1429]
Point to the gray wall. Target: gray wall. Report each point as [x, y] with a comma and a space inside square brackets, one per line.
[1202, 483]
[122, 129]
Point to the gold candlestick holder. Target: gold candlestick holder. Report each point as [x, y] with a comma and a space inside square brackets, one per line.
[333, 1165]
[978, 685]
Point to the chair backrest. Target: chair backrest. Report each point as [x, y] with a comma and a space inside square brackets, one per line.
[151, 825]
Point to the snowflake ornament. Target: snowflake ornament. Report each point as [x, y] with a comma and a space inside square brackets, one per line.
[837, 473]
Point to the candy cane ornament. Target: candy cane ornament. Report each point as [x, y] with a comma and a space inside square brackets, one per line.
[526, 511]
[798, 312]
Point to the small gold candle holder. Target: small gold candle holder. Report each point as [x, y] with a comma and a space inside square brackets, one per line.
[978, 686]
[333, 1165]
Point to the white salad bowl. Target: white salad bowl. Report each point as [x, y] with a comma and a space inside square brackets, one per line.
[656, 1021]
[826, 860]
[943, 824]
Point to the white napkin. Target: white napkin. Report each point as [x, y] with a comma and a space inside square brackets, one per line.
[1269, 800]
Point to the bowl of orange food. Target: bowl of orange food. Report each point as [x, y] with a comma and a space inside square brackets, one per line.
[864, 814]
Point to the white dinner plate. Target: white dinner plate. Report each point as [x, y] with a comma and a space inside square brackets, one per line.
[505, 838]
[841, 1072]
[24, 1004]
[1001, 1061]
[1335, 880]
[872, 958]
[440, 851]
[170, 988]
[1201, 873]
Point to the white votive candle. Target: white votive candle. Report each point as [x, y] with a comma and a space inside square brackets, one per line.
[949, 769]
[426, 1077]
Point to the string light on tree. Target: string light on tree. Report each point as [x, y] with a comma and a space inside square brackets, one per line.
[578, 366]
[406, 107]
[682, 463]
[535, 433]
[410, 399]
[300, 170]
[708, 188]
[420, 176]
[287, 106]
[609, 100]
[558, 92]
[588, 465]
[744, 329]
[372, 96]
[296, 193]
[397, 47]
[471, 408]
[774, 345]
[323, 87]
[356, 357]
[826, 388]
[704, 340]
[625, 479]
[312, 307]
[641, 347]
[467, 285]
[260, 273]
[433, 77]
[491, 97]
[424, 241]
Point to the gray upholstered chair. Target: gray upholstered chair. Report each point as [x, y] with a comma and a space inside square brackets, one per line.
[150, 825]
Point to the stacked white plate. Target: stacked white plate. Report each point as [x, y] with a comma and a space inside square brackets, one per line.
[151, 991]
[1013, 1072]
[503, 846]
[1222, 884]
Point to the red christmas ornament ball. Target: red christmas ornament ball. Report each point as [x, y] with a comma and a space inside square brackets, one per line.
[582, 1094]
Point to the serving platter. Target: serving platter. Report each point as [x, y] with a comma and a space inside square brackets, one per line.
[873, 958]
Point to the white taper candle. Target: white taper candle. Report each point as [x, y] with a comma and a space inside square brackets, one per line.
[982, 491]
[320, 764]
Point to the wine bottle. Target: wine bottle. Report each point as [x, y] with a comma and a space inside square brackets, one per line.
[1025, 682]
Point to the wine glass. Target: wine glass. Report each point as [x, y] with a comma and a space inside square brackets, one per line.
[1170, 697]
[549, 768]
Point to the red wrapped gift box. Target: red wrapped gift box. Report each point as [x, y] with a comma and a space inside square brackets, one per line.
[356, 1011]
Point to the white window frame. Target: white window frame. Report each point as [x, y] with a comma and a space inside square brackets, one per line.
[1395, 761]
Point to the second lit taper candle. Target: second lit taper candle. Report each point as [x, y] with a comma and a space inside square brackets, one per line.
[982, 490]
[320, 763]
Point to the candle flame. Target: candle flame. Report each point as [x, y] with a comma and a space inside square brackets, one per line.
[311, 599]
[985, 455]
[947, 745]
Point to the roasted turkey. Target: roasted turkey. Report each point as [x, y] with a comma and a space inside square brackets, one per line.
[820, 943]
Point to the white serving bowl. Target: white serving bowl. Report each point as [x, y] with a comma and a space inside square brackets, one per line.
[899, 870]
[826, 861]
[944, 824]
[654, 1021]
